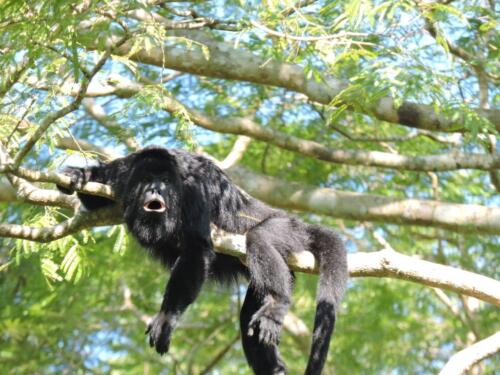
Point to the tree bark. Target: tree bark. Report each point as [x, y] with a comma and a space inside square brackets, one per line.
[222, 60]
[463, 218]
[462, 361]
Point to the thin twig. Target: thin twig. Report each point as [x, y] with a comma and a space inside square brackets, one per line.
[341, 35]
[50, 119]
[237, 152]
[300, 4]
[13, 75]
[220, 355]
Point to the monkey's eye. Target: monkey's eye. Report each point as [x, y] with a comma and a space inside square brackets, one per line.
[149, 178]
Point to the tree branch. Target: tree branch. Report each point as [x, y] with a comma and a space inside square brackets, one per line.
[234, 157]
[96, 111]
[247, 127]
[460, 362]
[462, 218]
[13, 75]
[53, 117]
[292, 9]
[92, 188]
[340, 35]
[31, 193]
[225, 61]
[82, 220]
[384, 263]
[388, 263]
[220, 355]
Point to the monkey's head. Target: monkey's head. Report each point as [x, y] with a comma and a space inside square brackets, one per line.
[151, 196]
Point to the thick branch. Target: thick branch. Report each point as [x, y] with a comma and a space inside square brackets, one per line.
[388, 263]
[225, 61]
[385, 263]
[31, 193]
[92, 188]
[17, 186]
[82, 220]
[456, 217]
[369, 207]
[462, 361]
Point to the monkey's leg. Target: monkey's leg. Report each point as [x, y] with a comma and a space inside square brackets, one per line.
[263, 358]
[270, 276]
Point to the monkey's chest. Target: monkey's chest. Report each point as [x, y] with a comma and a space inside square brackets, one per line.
[167, 254]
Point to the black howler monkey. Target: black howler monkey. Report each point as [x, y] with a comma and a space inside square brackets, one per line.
[170, 197]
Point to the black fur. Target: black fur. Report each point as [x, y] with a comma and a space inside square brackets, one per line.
[195, 193]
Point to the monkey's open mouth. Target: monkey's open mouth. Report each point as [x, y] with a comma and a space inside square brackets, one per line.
[155, 205]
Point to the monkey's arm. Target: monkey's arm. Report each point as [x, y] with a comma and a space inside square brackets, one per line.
[189, 271]
[186, 280]
[79, 177]
[112, 173]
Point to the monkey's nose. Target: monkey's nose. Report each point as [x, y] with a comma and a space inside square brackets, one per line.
[154, 191]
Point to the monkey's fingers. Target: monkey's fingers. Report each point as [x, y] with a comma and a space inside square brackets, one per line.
[151, 341]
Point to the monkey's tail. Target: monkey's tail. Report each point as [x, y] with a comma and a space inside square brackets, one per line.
[329, 250]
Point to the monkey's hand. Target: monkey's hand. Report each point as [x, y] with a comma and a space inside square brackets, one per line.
[160, 329]
[79, 177]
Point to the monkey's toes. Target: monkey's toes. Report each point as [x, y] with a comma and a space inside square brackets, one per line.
[268, 328]
[159, 331]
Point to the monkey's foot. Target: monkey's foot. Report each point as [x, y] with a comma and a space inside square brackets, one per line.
[269, 320]
[160, 329]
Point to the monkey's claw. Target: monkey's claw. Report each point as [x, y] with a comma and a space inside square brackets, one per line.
[160, 331]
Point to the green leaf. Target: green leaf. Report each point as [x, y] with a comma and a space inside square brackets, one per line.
[121, 241]
[71, 262]
[50, 269]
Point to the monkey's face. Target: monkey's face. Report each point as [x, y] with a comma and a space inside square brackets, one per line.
[151, 199]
